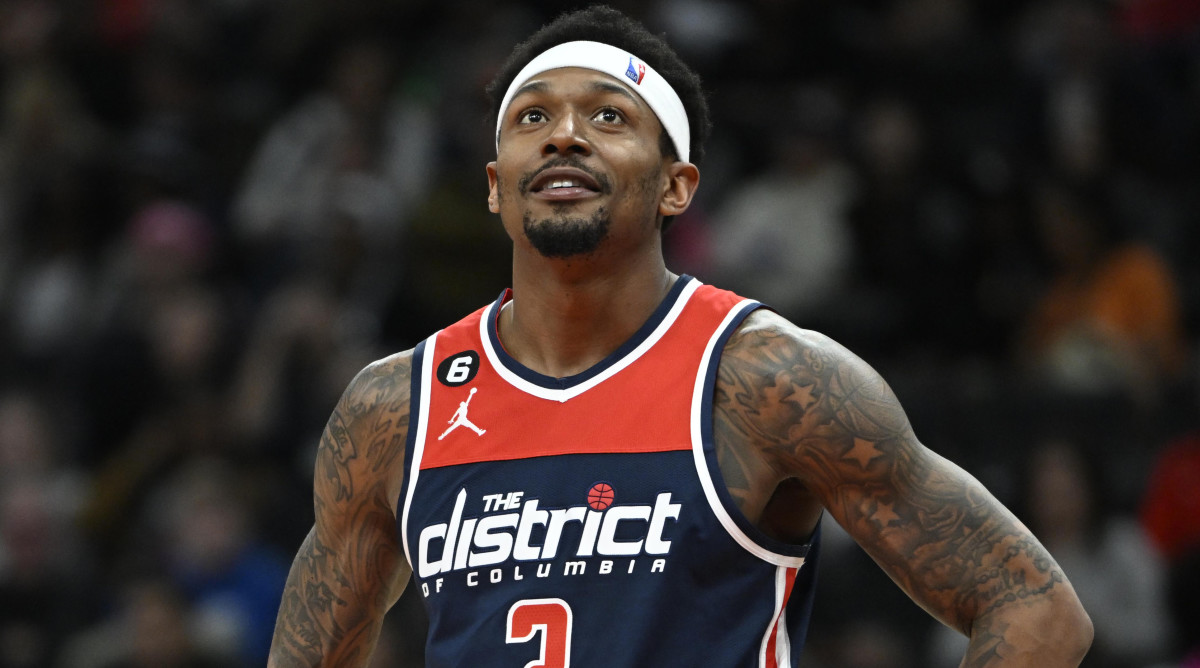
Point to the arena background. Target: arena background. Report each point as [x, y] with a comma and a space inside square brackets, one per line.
[214, 212]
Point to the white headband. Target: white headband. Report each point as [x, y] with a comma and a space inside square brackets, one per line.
[620, 65]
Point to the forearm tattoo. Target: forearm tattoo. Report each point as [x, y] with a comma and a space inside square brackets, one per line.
[817, 413]
[344, 572]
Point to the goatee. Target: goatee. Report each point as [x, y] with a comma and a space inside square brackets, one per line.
[567, 236]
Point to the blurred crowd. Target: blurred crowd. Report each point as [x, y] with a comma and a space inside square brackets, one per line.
[214, 212]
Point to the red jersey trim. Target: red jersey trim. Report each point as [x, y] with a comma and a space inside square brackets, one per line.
[776, 645]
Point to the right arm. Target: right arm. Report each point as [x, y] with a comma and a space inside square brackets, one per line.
[350, 569]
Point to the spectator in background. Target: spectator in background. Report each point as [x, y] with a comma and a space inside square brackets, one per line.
[155, 619]
[343, 170]
[784, 235]
[45, 587]
[1170, 510]
[151, 627]
[1170, 515]
[295, 356]
[168, 245]
[50, 153]
[1120, 578]
[34, 445]
[1110, 319]
[183, 413]
[154, 272]
[1116, 572]
[231, 579]
[43, 562]
[910, 234]
[1064, 48]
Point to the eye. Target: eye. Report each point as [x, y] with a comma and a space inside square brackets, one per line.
[609, 115]
[531, 116]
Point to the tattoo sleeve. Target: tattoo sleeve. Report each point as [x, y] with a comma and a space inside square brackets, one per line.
[350, 568]
[793, 404]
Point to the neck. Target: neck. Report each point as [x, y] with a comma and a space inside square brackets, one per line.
[569, 314]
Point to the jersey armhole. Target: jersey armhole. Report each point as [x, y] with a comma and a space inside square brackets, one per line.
[720, 501]
[418, 422]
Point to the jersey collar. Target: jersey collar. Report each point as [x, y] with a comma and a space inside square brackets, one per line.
[563, 389]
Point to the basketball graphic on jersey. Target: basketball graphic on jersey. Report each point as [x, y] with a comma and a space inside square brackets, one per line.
[600, 496]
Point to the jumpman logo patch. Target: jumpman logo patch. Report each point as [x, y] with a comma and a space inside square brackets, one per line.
[460, 419]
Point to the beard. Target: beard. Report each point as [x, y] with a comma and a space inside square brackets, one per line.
[565, 236]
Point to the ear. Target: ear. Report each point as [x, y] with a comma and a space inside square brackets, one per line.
[682, 180]
[493, 188]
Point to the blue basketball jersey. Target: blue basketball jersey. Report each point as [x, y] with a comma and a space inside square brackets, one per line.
[583, 522]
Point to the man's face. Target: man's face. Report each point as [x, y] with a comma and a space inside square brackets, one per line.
[579, 163]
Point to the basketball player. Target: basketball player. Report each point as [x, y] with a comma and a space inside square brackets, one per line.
[636, 464]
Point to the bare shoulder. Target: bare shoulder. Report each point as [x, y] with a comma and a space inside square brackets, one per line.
[382, 387]
[823, 416]
[350, 568]
[363, 443]
[792, 387]
[792, 409]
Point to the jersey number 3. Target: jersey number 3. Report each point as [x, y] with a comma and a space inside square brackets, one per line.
[551, 616]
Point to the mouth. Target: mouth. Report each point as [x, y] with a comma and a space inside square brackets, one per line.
[564, 184]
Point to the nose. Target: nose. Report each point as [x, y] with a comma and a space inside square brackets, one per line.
[566, 137]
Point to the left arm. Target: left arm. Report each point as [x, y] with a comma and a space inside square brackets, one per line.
[811, 412]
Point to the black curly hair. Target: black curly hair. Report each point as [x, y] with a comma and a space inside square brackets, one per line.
[600, 23]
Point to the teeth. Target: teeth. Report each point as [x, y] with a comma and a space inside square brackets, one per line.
[563, 184]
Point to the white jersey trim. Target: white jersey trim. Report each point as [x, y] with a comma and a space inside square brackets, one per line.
[783, 642]
[565, 394]
[706, 481]
[410, 483]
[778, 625]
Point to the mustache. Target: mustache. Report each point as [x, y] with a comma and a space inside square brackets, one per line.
[564, 161]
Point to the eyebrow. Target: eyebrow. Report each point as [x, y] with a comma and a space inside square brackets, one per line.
[532, 86]
[607, 87]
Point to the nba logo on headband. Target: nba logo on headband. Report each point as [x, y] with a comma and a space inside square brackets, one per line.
[654, 90]
[635, 75]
